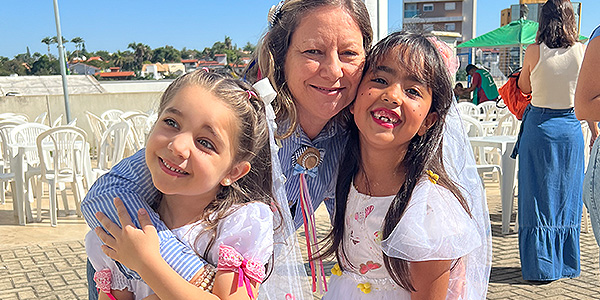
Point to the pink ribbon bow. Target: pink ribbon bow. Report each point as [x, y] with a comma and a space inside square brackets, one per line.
[231, 260]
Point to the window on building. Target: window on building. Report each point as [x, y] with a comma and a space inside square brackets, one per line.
[450, 6]
[427, 7]
[427, 27]
[411, 10]
[450, 26]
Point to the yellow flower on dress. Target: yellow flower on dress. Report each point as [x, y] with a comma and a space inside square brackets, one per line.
[364, 287]
[432, 176]
[336, 270]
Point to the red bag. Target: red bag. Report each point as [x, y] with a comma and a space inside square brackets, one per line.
[513, 97]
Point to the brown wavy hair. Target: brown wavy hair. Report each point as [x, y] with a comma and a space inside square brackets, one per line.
[557, 25]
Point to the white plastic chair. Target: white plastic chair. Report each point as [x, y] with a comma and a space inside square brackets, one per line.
[41, 118]
[111, 116]
[474, 129]
[6, 174]
[467, 108]
[488, 110]
[61, 155]
[112, 148]
[58, 121]
[152, 117]
[25, 136]
[98, 127]
[508, 124]
[137, 121]
[14, 116]
[472, 126]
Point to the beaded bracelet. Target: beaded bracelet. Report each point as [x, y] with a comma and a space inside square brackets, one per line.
[207, 279]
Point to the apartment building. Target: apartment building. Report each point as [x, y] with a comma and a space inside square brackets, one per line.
[443, 17]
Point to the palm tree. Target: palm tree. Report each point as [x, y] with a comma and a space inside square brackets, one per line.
[141, 52]
[78, 43]
[47, 40]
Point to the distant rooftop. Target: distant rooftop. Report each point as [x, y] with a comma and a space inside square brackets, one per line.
[48, 85]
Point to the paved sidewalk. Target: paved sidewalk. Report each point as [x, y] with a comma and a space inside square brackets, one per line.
[41, 262]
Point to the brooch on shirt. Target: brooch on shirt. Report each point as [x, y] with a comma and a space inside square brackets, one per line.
[306, 160]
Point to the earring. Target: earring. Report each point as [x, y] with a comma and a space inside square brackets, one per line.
[227, 182]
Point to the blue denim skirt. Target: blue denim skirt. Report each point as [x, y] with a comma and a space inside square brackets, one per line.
[551, 164]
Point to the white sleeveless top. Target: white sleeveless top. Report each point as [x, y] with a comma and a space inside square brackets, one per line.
[554, 78]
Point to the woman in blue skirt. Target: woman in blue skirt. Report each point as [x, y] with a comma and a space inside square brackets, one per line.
[550, 148]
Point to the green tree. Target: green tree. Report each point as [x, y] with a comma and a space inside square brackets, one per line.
[249, 47]
[166, 54]
[227, 43]
[78, 43]
[45, 66]
[141, 52]
[48, 41]
[190, 53]
[103, 54]
[123, 60]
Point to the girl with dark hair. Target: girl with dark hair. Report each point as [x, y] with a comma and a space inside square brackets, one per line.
[550, 149]
[313, 54]
[209, 156]
[405, 226]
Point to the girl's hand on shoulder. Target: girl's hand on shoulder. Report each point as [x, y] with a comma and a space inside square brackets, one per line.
[135, 248]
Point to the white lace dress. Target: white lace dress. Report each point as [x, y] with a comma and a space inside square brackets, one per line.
[249, 230]
[434, 227]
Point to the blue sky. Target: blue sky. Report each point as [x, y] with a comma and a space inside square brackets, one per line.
[111, 25]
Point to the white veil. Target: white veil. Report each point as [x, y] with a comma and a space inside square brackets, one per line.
[288, 280]
[459, 163]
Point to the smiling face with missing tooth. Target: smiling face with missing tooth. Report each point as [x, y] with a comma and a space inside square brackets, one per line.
[190, 151]
[392, 106]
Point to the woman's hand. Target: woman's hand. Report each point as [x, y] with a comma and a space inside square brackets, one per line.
[135, 248]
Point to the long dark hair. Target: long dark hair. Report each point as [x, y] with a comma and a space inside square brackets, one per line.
[252, 146]
[557, 25]
[421, 59]
[271, 52]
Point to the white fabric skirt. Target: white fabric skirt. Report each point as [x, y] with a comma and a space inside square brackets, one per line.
[345, 287]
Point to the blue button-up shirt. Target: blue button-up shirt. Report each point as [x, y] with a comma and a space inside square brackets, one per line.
[131, 181]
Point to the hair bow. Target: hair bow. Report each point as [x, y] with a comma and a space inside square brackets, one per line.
[231, 260]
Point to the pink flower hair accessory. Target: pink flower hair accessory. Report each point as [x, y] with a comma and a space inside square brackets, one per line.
[450, 59]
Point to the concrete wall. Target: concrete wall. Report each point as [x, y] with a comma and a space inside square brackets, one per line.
[54, 105]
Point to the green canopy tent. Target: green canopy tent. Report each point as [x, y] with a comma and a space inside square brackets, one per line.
[519, 33]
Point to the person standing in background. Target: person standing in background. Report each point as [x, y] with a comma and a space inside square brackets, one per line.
[550, 149]
[482, 83]
[587, 101]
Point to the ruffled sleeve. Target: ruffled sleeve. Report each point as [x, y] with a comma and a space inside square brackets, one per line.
[249, 230]
[434, 226]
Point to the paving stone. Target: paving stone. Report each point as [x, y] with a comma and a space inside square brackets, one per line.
[56, 270]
